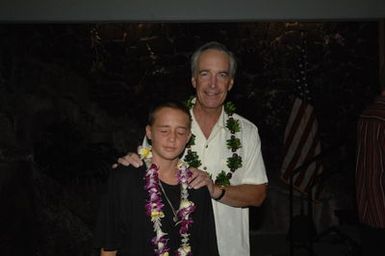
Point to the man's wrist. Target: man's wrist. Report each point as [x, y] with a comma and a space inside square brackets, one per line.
[220, 192]
[223, 191]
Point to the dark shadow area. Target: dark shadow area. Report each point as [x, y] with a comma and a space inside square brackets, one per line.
[73, 98]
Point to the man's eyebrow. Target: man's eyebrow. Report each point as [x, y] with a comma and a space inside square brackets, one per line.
[221, 72]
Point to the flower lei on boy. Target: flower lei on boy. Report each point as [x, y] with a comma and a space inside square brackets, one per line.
[154, 206]
[234, 162]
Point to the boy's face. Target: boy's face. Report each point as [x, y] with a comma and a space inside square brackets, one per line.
[169, 133]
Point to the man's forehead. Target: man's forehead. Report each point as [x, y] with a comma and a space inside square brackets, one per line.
[210, 57]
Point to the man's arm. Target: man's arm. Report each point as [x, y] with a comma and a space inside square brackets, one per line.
[243, 195]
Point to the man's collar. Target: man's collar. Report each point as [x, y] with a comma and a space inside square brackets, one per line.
[222, 118]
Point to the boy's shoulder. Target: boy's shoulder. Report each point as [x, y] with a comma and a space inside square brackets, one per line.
[130, 172]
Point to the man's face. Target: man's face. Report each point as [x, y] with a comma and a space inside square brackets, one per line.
[212, 80]
[169, 133]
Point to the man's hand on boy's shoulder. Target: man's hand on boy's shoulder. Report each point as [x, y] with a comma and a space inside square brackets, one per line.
[129, 159]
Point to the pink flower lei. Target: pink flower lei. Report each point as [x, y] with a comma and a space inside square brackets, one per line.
[154, 209]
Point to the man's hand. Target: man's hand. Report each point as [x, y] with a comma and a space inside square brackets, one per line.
[242, 195]
[200, 179]
[129, 159]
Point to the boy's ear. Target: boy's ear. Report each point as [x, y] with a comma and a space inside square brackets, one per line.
[188, 138]
[148, 132]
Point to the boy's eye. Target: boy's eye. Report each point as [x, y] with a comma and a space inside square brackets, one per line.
[181, 131]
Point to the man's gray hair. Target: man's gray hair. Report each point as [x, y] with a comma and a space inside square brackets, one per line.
[213, 46]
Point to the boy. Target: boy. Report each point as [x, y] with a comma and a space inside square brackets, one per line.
[153, 211]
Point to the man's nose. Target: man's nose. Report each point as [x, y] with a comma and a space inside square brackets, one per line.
[213, 81]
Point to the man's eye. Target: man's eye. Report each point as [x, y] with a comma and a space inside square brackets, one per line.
[223, 75]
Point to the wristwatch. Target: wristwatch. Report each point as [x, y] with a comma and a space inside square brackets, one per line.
[223, 191]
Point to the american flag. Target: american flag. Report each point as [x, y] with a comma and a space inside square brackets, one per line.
[301, 140]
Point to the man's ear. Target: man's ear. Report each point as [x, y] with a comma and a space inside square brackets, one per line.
[193, 82]
[231, 84]
[148, 132]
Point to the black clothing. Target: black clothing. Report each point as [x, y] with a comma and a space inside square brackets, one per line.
[372, 240]
[124, 226]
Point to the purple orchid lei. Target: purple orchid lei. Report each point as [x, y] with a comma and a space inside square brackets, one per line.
[154, 209]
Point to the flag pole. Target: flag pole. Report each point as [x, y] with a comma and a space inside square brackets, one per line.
[291, 242]
[381, 49]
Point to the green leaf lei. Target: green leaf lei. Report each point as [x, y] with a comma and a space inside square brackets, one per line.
[234, 162]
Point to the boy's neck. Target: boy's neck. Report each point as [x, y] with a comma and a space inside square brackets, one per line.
[167, 170]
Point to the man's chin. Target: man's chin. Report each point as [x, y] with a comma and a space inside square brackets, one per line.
[213, 102]
[213, 105]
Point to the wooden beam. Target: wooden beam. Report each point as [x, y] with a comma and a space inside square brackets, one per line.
[187, 10]
[381, 51]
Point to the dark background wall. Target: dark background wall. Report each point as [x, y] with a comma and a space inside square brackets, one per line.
[73, 98]
[76, 78]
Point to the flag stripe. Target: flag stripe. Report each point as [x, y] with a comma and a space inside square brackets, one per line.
[294, 119]
[295, 131]
[301, 144]
[305, 179]
[303, 147]
[302, 141]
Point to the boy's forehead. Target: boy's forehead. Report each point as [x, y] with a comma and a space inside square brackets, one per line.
[168, 113]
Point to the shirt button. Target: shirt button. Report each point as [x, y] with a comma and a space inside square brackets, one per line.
[205, 168]
[206, 146]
